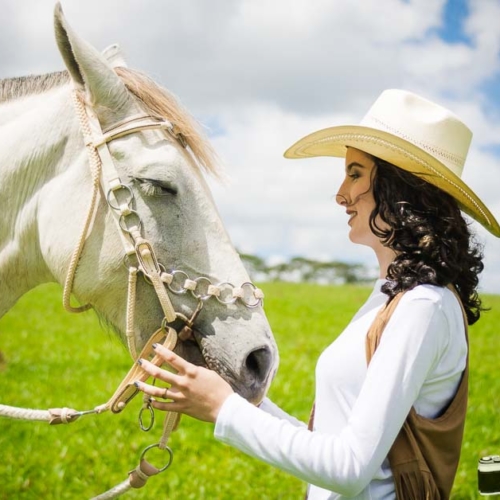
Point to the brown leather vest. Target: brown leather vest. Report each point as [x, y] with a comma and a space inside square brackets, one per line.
[424, 457]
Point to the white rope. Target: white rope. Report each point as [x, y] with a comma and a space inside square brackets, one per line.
[24, 413]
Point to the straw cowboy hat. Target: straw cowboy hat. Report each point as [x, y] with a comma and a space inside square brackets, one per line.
[414, 134]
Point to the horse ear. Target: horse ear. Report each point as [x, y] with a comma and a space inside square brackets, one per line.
[89, 70]
[114, 56]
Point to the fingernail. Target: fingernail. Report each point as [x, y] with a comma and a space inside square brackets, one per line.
[136, 384]
[139, 362]
[154, 346]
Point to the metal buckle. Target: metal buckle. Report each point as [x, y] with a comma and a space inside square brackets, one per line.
[119, 188]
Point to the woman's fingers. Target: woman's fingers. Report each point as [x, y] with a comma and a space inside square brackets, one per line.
[180, 365]
[157, 392]
[194, 390]
[157, 372]
[169, 406]
[175, 400]
[176, 362]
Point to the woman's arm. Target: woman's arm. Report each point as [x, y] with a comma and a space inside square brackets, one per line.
[346, 462]
[273, 409]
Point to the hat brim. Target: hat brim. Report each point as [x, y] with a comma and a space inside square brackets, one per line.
[334, 141]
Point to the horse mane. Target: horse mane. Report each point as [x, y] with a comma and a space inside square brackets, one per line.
[156, 100]
[15, 88]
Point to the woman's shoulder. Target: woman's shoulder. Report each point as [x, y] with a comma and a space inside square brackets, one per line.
[434, 293]
[442, 298]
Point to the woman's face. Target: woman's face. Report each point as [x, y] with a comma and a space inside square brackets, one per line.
[356, 195]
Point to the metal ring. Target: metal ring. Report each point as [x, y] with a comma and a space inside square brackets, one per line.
[122, 186]
[122, 221]
[167, 449]
[199, 296]
[179, 291]
[251, 305]
[220, 299]
[152, 418]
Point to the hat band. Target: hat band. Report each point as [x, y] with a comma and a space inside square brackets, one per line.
[433, 150]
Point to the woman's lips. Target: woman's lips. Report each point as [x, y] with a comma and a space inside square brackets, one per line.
[351, 214]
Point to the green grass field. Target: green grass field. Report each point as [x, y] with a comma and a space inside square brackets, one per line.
[53, 358]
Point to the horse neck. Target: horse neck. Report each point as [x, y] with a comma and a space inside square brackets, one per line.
[35, 140]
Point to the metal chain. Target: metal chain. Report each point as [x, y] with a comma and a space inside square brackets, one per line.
[121, 199]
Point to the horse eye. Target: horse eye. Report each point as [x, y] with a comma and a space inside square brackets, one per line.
[155, 187]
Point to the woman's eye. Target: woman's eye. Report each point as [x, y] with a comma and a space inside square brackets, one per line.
[353, 175]
[153, 187]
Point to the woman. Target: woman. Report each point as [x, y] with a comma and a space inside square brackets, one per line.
[402, 194]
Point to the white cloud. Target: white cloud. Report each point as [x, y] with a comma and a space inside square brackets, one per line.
[456, 68]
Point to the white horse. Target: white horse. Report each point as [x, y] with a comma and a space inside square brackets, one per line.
[46, 186]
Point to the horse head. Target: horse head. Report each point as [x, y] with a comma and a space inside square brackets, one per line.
[163, 197]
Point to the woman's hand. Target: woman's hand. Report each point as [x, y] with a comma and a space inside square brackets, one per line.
[193, 390]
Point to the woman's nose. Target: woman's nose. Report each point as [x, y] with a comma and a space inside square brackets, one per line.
[341, 197]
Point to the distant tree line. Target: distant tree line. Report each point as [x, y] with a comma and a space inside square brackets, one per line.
[301, 269]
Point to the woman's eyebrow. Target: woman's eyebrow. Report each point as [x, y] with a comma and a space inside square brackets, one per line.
[352, 165]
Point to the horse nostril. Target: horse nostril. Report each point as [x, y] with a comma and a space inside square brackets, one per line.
[259, 363]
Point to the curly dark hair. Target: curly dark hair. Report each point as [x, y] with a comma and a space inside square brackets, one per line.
[429, 234]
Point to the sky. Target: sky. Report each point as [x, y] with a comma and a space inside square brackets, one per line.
[260, 74]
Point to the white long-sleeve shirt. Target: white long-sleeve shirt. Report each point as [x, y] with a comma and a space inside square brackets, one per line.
[360, 409]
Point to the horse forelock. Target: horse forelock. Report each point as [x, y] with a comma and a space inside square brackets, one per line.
[156, 100]
[160, 102]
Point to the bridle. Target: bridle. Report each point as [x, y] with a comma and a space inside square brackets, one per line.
[139, 258]
[120, 200]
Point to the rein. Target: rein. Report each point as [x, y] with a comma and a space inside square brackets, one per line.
[120, 200]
